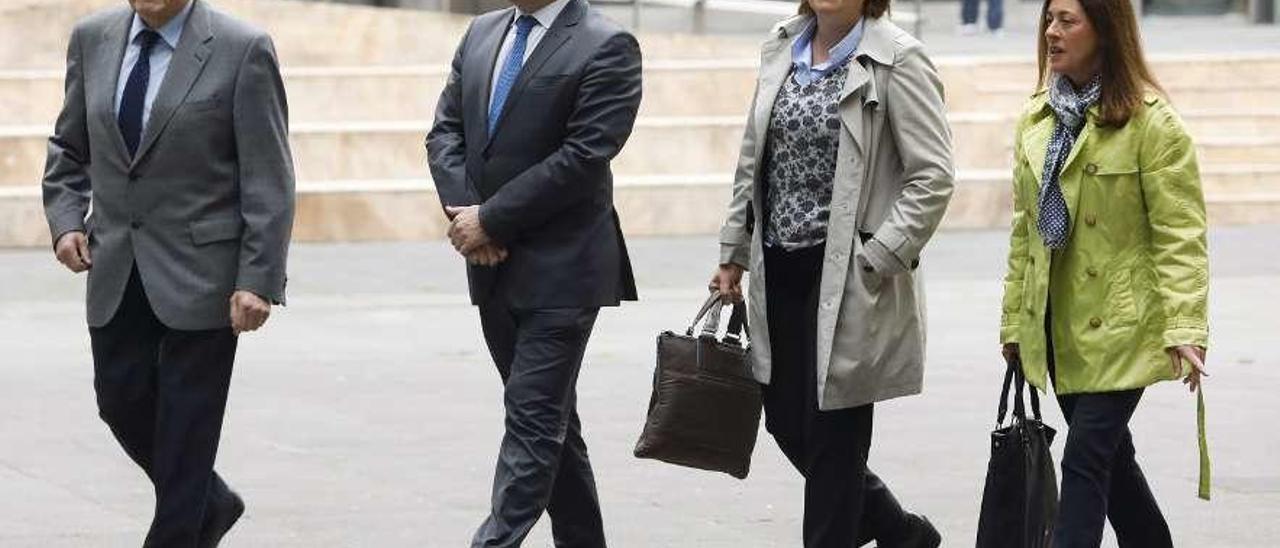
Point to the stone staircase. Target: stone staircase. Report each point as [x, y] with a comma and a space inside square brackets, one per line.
[361, 104]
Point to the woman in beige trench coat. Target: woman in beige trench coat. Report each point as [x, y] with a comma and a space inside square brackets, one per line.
[844, 174]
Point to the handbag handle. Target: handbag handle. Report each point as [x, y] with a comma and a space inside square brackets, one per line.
[711, 310]
[737, 324]
[1013, 377]
[702, 312]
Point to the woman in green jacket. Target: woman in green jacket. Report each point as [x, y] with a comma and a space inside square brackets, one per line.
[1107, 284]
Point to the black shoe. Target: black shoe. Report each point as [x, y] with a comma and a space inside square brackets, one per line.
[222, 514]
[920, 534]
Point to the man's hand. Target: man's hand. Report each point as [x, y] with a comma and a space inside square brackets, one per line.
[1191, 354]
[248, 311]
[466, 233]
[72, 250]
[488, 255]
[727, 279]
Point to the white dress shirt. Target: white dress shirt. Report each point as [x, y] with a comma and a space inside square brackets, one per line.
[161, 54]
[545, 17]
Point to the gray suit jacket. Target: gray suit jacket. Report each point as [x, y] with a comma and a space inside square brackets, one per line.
[206, 205]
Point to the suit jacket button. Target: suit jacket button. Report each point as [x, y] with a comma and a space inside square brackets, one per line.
[1095, 322]
[133, 176]
[135, 225]
[1091, 169]
[1090, 219]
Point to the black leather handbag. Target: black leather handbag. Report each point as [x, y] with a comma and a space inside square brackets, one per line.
[1020, 501]
[705, 409]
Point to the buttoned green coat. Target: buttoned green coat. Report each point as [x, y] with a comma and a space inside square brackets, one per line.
[1133, 278]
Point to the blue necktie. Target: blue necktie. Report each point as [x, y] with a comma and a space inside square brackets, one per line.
[510, 69]
[135, 93]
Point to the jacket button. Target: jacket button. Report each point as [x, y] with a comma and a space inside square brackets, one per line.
[1031, 259]
[1092, 272]
[133, 176]
[1090, 220]
[1095, 322]
[1091, 169]
[135, 225]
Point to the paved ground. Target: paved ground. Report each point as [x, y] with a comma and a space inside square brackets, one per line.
[367, 415]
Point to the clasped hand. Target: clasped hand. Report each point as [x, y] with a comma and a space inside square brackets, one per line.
[468, 237]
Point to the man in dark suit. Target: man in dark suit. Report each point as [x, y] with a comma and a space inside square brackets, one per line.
[540, 99]
[174, 129]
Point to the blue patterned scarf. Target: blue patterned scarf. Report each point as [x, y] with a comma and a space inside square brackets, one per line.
[1069, 107]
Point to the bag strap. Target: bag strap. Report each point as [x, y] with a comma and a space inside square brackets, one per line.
[737, 324]
[706, 307]
[1013, 377]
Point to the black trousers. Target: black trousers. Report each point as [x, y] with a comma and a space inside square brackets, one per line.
[542, 463]
[845, 504]
[163, 392]
[1101, 478]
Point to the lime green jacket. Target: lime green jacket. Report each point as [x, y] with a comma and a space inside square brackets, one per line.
[1133, 278]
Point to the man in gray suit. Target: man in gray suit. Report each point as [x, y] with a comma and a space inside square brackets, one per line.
[540, 99]
[169, 180]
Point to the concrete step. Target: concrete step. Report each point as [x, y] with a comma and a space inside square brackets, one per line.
[395, 150]
[658, 146]
[999, 97]
[673, 87]
[320, 94]
[406, 209]
[985, 140]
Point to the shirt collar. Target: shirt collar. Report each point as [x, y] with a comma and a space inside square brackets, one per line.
[547, 15]
[169, 33]
[802, 49]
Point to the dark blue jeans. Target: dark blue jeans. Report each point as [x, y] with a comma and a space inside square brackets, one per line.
[995, 13]
[1101, 479]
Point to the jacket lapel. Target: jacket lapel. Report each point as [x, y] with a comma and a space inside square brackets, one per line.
[775, 65]
[483, 63]
[185, 67]
[876, 46]
[116, 39]
[555, 37]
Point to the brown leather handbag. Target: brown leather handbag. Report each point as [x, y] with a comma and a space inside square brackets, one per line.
[705, 409]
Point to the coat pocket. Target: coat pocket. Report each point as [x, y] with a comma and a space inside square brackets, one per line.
[207, 231]
[1122, 307]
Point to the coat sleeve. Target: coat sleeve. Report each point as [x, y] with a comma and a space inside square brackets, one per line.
[447, 141]
[1171, 189]
[1015, 273]
[735, 234]
[607, 102]
[261, 123]
[66, 186]
[918, 123]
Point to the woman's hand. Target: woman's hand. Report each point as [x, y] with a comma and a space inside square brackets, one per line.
[1191, 354]
[1012, 353]
[727, 279]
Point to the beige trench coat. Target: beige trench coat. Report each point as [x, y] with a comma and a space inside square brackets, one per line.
[893, 179]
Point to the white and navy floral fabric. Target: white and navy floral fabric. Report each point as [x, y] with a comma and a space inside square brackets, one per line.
[1069, 107]
[803, 140]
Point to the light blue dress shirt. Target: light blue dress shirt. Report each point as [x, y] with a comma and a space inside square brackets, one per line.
[161, 54]
[802, 67]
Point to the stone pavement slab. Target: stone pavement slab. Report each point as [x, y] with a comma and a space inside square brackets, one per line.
[367, 414]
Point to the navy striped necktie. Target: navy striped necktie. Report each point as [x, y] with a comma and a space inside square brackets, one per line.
[134, 99]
